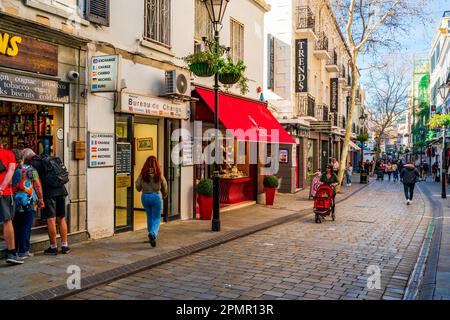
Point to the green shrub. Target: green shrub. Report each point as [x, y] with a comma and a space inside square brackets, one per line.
[363, 137]
[205, 187]
[271, 182]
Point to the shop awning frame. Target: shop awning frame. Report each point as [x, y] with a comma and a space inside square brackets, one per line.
[242, 116]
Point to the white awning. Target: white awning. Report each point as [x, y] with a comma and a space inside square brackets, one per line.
[354, 146]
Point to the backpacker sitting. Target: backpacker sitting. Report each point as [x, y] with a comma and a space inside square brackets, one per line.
[27, 193]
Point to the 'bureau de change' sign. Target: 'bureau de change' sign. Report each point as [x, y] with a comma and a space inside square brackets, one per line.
[35, 89]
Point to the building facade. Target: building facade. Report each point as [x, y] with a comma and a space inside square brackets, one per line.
[308, 82]
[122, 92]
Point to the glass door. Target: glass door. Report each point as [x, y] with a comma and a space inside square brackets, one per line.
[123, 218]
[172, 172]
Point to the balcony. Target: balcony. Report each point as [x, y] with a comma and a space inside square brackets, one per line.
[322, 112]
[306, 106]
[306, 22]
[332, 63]
[321, 49]
[334, 118]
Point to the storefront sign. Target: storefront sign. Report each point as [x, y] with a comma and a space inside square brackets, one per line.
[334, 103]
[123, 181]
[123, 157]
[105, 73]
[28, 54]
[153, 106]
[301, 62]
[101, 150]
[36, 89]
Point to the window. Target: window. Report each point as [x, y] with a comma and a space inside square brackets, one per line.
[203, 26]
[157, 21]
[61, 4]
[237, 40]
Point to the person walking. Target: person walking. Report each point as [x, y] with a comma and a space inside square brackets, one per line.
[425, 170]
[389, 170]
[153, 186]
[348, 174]
[395, 172]
[335, 166]
[410, 176]
[54, 176]
[434, 171]
[7, 168]
[27, 194]
[330, 179]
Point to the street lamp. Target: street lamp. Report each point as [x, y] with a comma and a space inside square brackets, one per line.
[216, 11]
[443, 91]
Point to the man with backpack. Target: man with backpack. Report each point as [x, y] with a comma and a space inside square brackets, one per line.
[54, 176]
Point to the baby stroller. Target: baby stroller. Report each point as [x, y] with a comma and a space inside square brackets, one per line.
[324, 205]
[380, 174]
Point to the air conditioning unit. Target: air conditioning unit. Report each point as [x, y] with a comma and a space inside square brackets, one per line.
[177, 83]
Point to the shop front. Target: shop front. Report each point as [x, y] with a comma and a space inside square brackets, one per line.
[40, 106]
[144, 126]
[254, 142]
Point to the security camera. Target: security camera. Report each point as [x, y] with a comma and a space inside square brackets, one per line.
[73, 75]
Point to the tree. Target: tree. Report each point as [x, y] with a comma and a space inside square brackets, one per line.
[371, 25]
[388, 92]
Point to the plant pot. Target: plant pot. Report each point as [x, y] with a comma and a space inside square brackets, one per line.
[229, 78]
[270, 196]
[202, 69]
[206, 207]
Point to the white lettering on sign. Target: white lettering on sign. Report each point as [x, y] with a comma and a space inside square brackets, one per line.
[101, 150]
[153, 106]
[105, 73]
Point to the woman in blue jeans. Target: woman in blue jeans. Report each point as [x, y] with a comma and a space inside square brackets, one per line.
[153, 186]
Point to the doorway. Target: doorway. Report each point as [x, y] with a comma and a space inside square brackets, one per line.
[172, 170]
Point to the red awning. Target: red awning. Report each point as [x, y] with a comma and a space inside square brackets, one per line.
[247, 120]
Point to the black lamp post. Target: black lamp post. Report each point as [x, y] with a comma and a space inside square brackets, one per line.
[216, 10]
[362, 171]
[444, 90]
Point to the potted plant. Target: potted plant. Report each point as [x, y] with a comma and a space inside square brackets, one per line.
[205, 63]
[271, 183]
[229, 72]
[205, 199]
[363, 137]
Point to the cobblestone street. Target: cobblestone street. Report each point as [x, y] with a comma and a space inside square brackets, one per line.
[298, 260]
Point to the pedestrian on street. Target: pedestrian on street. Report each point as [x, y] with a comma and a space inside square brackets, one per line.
[410, 176]
[425, 169]
[330, 179]
[335, 166]
[27, 194]
[153, 186]
[348, 174]
[389, 170]
[7, 168]
[54, 176]
[434, 171]
[395, 172]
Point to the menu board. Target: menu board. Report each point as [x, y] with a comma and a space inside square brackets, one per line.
[101, 150]
[123, 157]
[188, 152]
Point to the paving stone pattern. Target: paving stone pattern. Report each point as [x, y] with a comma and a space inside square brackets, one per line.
[297, 260]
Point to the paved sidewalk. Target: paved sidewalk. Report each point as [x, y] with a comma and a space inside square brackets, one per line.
[436, 281]
[44, 277]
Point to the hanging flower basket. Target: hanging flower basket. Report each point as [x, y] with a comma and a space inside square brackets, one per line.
[229, 78]
[201, 69]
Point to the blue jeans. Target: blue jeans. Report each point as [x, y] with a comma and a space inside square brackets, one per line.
[348, 177]
[23, 222]
[396, 176]
[152, 203]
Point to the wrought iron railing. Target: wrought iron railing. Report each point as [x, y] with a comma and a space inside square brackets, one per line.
[334, 58]
[306, 106]
[324, 113]
[322, 42]
[305, 18]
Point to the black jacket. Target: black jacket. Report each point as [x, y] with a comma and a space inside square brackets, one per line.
[410, 174]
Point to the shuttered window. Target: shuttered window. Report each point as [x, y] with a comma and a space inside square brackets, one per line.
[97, 11]
[237, 40]
[203, 26]
[157, 21]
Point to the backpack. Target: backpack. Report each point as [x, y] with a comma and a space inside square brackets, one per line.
[24, 194]
[56, 174]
